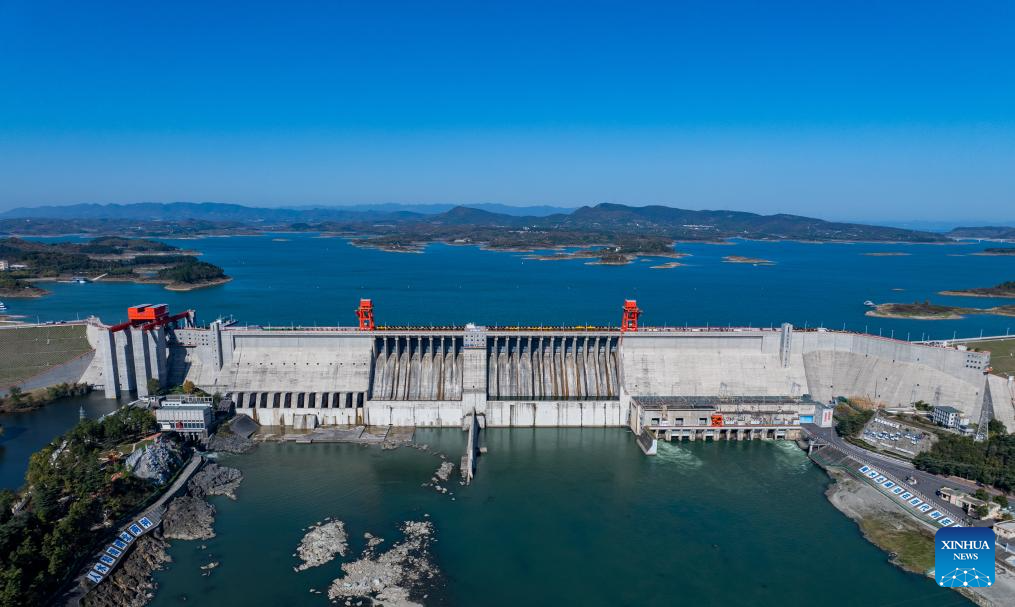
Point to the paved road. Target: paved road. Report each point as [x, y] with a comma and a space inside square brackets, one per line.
[926, 483]
[962, 340]
[154, 512]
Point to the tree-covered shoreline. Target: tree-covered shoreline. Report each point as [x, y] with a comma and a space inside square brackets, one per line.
[76, 490]
[991, 462]
[111, 258]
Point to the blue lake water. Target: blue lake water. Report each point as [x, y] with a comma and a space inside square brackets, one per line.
[303, 279]
[556, 517]
[26, 433]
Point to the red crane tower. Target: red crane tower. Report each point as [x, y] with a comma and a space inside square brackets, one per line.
[631, 314]
[365, 314]
[148, 317]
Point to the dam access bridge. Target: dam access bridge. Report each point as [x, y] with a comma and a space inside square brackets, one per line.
[677, 383]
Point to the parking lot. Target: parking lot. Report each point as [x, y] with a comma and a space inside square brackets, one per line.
[896, 437]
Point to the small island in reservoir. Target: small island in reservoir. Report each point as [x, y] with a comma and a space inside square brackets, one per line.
[614, 255]
[190, 275]
[928, 311]
[667, 265]
[1004, 290]
[139, 260]
[757, 261]
[995, 251]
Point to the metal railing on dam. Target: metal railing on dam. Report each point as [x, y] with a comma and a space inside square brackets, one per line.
[604, 330]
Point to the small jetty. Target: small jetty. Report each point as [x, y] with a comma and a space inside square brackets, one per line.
[471, 424]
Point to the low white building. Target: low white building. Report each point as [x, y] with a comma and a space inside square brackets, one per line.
[4, 266]
[949, 417]
[1005, 530]
[187, 415]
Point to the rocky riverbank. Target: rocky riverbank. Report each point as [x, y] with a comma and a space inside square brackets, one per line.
[909, 544]
[156, 462]
[321, 544]
[190, 517]
[214, 479]
[131, 585]
[396, 578]
[234, 437]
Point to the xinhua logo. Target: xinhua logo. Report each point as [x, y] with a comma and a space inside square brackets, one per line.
[964, 556]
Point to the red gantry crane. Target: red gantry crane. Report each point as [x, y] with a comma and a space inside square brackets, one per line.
[631, 314]
[365, 314]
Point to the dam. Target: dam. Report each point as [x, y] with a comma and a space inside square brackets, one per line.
[677, 383]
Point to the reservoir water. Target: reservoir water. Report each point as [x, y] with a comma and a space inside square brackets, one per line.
[26, 433]
[303, 279]
[555, 517]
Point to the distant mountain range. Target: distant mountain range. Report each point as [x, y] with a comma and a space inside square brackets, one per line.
[217, 211]
[478, 223]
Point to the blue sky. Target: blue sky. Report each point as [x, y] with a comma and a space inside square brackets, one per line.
[847, 110]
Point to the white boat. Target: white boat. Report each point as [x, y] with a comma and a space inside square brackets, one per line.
[3, 307]
[870, 304]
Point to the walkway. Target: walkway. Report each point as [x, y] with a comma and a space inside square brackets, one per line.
[105, 560]
[926, 483]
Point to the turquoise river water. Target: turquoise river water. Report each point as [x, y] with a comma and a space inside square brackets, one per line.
[556, 516]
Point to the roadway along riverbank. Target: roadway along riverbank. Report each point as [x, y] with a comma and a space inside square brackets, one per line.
[926, 483]
[155, 512]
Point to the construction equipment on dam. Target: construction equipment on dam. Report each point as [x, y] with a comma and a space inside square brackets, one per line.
[692, 383]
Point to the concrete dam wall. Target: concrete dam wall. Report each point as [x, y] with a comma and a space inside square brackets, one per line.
[537, 367]
[582, 377]
[417, 368]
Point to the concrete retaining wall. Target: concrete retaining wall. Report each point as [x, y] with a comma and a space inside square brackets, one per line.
[703, 364]
[1002, 393]
[551, 378]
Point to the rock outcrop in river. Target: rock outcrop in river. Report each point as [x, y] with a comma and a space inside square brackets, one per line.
[189, 518]
[442, 475]
[234, 437]
[392, 578]
[214, 479]
[321, 544]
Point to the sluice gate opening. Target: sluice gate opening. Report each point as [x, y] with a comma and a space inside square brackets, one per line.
[417, 368]
[298, 400]
[553, 367]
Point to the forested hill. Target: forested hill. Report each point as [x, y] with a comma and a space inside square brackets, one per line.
[693, 225]
[422, 222]
[985, 232]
